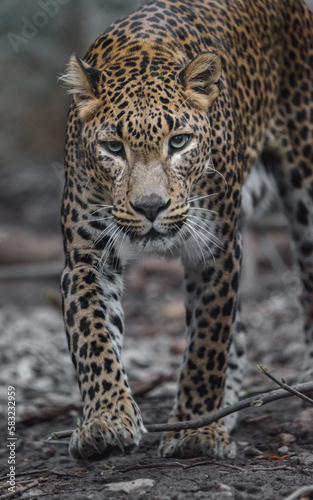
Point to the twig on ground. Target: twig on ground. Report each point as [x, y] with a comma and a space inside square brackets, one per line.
[19, 491]
[24, 481]
[163, 465]
[285, 386]
[57, 473]
[39, 471]
[59, 441]
[59, 493]
[254, 391]
[25, 473]
[57, 435]
[259, 400]
[298, 493]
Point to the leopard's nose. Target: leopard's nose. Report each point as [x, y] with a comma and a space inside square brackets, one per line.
[150, 206]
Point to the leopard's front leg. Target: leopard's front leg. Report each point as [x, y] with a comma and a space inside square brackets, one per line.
[94, 324]
[211, 305]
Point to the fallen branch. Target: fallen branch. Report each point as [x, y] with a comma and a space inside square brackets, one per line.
[285, 386]
[259, 400]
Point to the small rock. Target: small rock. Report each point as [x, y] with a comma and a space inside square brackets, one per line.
[284, 439]
[128, 486]
[306, 458]
[225, 491]
[252, 452]
[283, 450]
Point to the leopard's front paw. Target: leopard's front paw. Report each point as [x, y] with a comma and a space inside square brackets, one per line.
[212, 441]
[99, 435]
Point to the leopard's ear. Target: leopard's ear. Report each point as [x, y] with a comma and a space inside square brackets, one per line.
[82, 81]
[200, 79]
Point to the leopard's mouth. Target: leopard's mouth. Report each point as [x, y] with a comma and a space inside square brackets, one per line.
[153, 234]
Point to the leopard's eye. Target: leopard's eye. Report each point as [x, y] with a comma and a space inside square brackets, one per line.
[114, 147]
[178, 142]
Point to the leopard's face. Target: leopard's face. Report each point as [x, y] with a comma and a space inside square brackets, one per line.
[146, 143]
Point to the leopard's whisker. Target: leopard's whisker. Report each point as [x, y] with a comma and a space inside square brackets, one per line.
[101, 236]
[89, 179]
[102, 218]
[177, 109]
[212, 236]
[196, 198]
[119, 252]
[199, 235]
[101, 205]
[205, 209]
[110, 101]
[200, 229]
[109, 246]
[180, 235]
[214, 170]
[204, 223]
[194, 237]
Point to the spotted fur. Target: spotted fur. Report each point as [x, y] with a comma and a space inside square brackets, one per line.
[172, 108]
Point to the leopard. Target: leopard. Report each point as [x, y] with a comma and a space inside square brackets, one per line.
[186, 116]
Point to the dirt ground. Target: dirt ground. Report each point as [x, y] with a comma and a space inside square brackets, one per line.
[274, 442]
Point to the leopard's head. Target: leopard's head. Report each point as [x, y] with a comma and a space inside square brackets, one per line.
[145, 136]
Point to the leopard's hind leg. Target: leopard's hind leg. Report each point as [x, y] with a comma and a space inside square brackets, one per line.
[236, 365]
[289, 156]
[258, 192]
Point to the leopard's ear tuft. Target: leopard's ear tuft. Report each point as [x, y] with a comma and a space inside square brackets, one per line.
[82, 81]
[200, 79]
